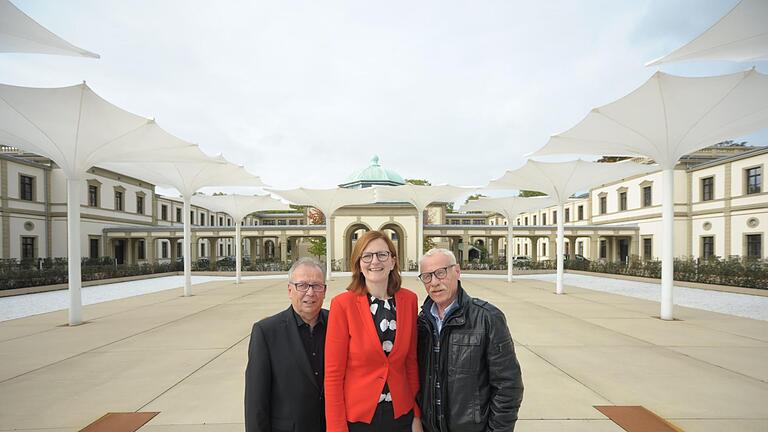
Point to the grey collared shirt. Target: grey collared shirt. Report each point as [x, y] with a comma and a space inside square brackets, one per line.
[439, 322]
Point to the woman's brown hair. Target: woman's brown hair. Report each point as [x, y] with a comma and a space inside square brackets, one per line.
[358, 279]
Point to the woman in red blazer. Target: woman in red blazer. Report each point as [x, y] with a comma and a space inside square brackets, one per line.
[371, 371]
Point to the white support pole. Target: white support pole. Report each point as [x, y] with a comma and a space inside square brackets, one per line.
[510, 239]
[238, 253]
[187, 247]
[667, 244]
[420, 238]
[328, 245]
[560, 248]
[73, 252]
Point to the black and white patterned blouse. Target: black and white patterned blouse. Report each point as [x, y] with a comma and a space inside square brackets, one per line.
[385, 320]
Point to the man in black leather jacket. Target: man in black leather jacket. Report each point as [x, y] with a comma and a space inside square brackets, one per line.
[469, 374]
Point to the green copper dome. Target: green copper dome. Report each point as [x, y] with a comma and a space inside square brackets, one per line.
[374, 174]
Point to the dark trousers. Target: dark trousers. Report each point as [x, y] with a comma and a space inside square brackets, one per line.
[384, 421]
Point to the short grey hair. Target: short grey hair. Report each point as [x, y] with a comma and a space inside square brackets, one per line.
[435, 251]
[305, 261]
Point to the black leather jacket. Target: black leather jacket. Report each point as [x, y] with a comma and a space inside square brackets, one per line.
[481, 387]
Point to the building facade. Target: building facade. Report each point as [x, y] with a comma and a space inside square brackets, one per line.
[721, 209]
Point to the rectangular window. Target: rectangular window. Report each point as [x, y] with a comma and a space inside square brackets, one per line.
[191, 217]
[178, 215]
[554, 217]
[466, 222]
[164, 249]
[544, 219]
[647, 196]
[754, 246]
[93, 248]
[455, 222]
[603, 205]
[707, 247]
[534, 219]
[708, 189]
[142, 251]
[648, 248]
[567, 215]
[754, 180]
[518, 221]
[526, 221]
[179, 252]
[580, 248]
[213, 221]
[293, 222]
[269, 222]
[221, 221]
[27, 248]
[118, 201]
[581, 212]
[140, 204]
[282, 222]
[477, 222]
[603, 249]
[93, 196]
[622, 201]
[164, 212]
[26, 188]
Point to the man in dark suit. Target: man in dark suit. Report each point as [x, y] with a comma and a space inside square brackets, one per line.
[284, 377]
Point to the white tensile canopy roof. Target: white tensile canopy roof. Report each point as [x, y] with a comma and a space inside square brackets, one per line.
[77, 129]
[328, 201]
[741, 35]
[421, 197]
[560, 180]
[670, 116]
[509, 207]
[21, 34]
[238, 206]
[667, 117]
[187, 178]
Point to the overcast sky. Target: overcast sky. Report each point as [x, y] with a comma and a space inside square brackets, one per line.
[303, 93]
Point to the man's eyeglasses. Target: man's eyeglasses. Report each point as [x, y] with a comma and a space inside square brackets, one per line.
[304, 287]
[440, 273]
[381, 255]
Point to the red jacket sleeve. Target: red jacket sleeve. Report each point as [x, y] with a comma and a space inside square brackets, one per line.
[336, 352]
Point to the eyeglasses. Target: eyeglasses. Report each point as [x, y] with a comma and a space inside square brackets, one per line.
[440, 273]
[381, 255]
[304, 287]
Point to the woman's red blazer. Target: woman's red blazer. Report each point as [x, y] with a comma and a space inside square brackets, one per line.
[356, 366]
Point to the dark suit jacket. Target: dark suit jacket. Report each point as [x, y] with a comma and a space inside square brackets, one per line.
[281, 393]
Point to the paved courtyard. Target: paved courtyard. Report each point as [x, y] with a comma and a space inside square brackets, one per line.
[185, 358]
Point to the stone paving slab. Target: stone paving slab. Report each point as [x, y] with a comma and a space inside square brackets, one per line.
[185, 357]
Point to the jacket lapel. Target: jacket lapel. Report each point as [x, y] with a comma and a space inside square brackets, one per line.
[403, 323]
[370, 334]
[296, 346]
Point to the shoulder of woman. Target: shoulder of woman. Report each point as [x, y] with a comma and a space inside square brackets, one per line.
[407, 293]
[344, 297]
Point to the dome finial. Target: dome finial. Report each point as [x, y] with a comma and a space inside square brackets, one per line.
[375, 160]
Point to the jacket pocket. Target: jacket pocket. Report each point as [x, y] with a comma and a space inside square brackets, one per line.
[465, 351]
[279, 424]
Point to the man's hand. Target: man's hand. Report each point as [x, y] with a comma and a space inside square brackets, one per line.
[416, 425]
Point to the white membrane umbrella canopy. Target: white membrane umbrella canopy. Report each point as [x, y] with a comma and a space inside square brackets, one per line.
[420, 197]
[238, 206]
[670, 116]
[77, 129]
[188, 178]
[741, 35]
[328, 201]
[667, 117]
[509, 207]
[560, 180]
[21, 34]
